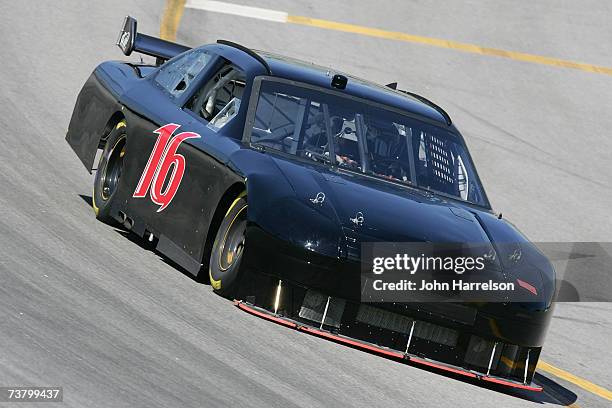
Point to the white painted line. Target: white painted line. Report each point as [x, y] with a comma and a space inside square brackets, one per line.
[238, 10]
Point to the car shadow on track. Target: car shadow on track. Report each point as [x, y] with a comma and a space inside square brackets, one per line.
[563, 395]
[553, 393]
[146, 245]
[87, 199]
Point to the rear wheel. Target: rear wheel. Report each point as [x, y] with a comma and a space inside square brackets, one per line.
[224, 267]
[109, 171]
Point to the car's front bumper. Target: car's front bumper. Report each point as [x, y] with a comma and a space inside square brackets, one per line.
[321, 295]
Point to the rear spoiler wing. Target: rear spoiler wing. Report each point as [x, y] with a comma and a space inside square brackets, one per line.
[131, 40]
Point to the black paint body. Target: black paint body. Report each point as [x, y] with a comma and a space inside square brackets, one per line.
[282, 220]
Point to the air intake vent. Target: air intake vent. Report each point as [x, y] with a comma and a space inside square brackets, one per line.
[435, 333]
[322, 309]
[383, 319]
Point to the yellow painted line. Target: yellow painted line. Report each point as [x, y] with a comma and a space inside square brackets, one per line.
[283, 17]
[436, 42]
[171, 19]
[580, 382]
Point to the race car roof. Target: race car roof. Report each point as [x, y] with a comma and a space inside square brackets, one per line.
[310, 73]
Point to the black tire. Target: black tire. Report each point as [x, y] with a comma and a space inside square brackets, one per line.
[226, 255]
[109, 171]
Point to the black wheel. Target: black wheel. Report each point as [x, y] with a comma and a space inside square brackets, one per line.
[227, 249]
[109, 171]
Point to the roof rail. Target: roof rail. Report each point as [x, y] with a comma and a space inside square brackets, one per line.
[393, 85]
[248, 51]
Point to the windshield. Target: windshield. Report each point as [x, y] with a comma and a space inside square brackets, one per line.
[356, 135]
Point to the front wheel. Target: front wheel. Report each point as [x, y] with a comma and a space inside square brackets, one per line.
[227, 249]
[109, 171]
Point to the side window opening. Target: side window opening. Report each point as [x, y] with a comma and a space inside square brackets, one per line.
[176, 76]
[218, 101]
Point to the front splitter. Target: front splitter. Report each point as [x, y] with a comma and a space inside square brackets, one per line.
[389, 353]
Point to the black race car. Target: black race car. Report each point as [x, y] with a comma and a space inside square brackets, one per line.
[264, 175]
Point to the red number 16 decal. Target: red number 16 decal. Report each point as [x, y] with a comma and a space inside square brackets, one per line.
[162, 159]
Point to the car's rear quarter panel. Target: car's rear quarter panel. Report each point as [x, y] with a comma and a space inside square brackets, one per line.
[94, 107]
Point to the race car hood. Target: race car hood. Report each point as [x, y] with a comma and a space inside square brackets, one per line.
[377, 210]
[366, 209]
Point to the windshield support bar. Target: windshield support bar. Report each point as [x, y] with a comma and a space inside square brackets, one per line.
[408, 136]
[330, 137]
[362, 142]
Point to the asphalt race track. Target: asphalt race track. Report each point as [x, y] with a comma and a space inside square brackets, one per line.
[86, 307]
